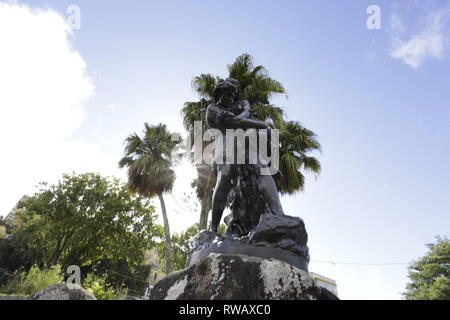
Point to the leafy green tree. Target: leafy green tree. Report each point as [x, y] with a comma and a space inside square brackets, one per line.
[84, 220]
[149, 162]
[181, 246]
[430, 275]
[296, 142]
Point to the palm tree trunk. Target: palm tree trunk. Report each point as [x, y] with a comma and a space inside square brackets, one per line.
[169, 247]
[206, 203]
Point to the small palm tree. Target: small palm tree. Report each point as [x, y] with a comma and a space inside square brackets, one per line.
[149, 162]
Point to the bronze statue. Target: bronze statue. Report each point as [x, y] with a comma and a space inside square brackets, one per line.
[257, 225]
[248, 193]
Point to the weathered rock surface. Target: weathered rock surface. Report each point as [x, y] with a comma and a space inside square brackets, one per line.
[57, 292]
[280, 237]
[4, 298]
[223, 277]
[63, 292]
[284, 232]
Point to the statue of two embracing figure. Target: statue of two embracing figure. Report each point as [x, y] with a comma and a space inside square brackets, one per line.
[247, 185]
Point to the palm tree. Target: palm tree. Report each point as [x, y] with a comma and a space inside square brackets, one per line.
[149, 162]
[296, 142]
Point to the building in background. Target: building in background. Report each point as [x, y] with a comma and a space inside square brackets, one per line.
[12, 218]
[325, 282]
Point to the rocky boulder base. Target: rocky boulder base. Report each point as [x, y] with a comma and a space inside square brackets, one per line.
[58, 292]
[63, 292]
[225, 276]
[280, 237]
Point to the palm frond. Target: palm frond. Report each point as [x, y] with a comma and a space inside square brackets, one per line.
[149, 162]
[269, 113]
[204, 85]
[242, 65]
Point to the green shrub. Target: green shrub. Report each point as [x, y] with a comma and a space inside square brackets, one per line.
[26, 283]
[99, 288]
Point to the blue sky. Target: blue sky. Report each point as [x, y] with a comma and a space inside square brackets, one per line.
[378, 99]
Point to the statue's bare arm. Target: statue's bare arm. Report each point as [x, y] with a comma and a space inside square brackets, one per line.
[243, 121]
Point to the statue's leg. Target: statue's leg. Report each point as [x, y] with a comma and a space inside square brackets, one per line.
[220, 195]
[270, 192]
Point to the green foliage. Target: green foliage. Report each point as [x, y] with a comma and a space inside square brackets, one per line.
[181, 246]
[222, 229]
[296, 143]
[149, 160]
[257, 86]
[83, 220]
[430, 275]
[119, 274]
[99, 288]
[14, 256]
[26, 283]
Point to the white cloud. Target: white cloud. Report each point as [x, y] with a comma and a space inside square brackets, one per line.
[429, 42]
[43, 85]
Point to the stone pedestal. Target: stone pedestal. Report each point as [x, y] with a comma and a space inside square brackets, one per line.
[239, 277]
[270, 263]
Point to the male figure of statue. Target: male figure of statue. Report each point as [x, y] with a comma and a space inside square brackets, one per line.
[228, 112]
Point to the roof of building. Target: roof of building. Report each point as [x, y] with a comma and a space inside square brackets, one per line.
[322, 278]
